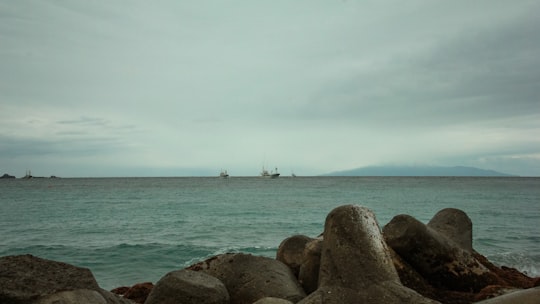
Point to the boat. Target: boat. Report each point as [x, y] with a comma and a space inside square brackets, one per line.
[28, 175]
[224, 174]
[271, 174]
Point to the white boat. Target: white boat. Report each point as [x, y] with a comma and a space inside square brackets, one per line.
[272, 174]
[224, 174]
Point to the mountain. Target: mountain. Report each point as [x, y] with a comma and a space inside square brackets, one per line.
[417, 171]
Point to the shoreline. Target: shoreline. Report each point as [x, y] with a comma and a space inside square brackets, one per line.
[404, 268]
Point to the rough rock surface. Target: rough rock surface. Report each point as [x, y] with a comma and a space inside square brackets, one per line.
[309, 270]
[356, 264]
[435, 257]
[455, 225]
[188, 287]
[291, 252]
[26, 277]
[79, 296]
[527, 296]
[249, 278]
[138, 293]
[270, 300]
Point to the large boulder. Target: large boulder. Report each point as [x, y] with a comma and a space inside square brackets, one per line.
[438, 259]
[79, 296]
[308, 275]
[249, 278]
[188, 287]
[526, 296]
[455, 225]
[356, 265]
[25, 277]
[270, 300]
[291, 252]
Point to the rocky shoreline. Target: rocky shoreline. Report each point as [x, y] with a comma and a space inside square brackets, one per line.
[353, 261]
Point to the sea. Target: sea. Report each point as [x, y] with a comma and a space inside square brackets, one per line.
[133, 230]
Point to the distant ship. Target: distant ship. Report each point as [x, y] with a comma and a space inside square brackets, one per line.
[271, 174]
[224, 174]
[28, 175]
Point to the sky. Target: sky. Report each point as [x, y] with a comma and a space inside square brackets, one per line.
[188, 88]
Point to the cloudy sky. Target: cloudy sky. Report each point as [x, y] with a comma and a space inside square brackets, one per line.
[176, 88]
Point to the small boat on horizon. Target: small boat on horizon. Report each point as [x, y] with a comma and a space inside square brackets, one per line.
[223, 174]
[28, 175]
[271, 174]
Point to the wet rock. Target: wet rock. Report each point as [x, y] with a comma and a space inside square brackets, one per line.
[356, 265]
[26, 277]
[439, 260]
[308, 275]
[291, 252]
[189, 287]
[455, 225]
[249, 278]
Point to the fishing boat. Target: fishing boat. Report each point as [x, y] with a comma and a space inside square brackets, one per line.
[272, 174]
[224, 174]
[28, 175]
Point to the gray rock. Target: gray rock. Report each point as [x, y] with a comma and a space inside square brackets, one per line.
[188, 287]
[249, 278]
[438, 259]
[356, 265]
[270, 300]
[79, 296]
[309, 270]
[354, 254]
[455, 225]
[333, 295]
[383, 293]
[525, 296]
[25, 277]
[291, 252]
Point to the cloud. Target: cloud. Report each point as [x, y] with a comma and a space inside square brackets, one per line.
[315, 85]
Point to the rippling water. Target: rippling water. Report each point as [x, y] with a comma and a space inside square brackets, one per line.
[130, 230]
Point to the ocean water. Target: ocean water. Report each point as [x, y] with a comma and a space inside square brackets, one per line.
[132, 230]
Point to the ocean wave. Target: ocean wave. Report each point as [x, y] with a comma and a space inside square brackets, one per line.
[526, 263]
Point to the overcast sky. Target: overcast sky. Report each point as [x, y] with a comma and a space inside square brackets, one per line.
[176, 88]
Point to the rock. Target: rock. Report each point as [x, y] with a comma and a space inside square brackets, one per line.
[333, 295]
[439, 260]
[270, 300]
[79, 296]
[510, 276]
[291, 252]
[354, 254]
[455, 225]
[249, 278]
[138, 293]
[189, 287]
[356, 265]
[309, 270]
[526, 296]
[7, 176]
[82, 296]
[26, 277]
[112, 298]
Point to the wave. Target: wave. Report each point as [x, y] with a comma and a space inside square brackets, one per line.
[526, 263]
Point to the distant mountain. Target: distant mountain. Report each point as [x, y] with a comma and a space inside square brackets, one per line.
[417, 171]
